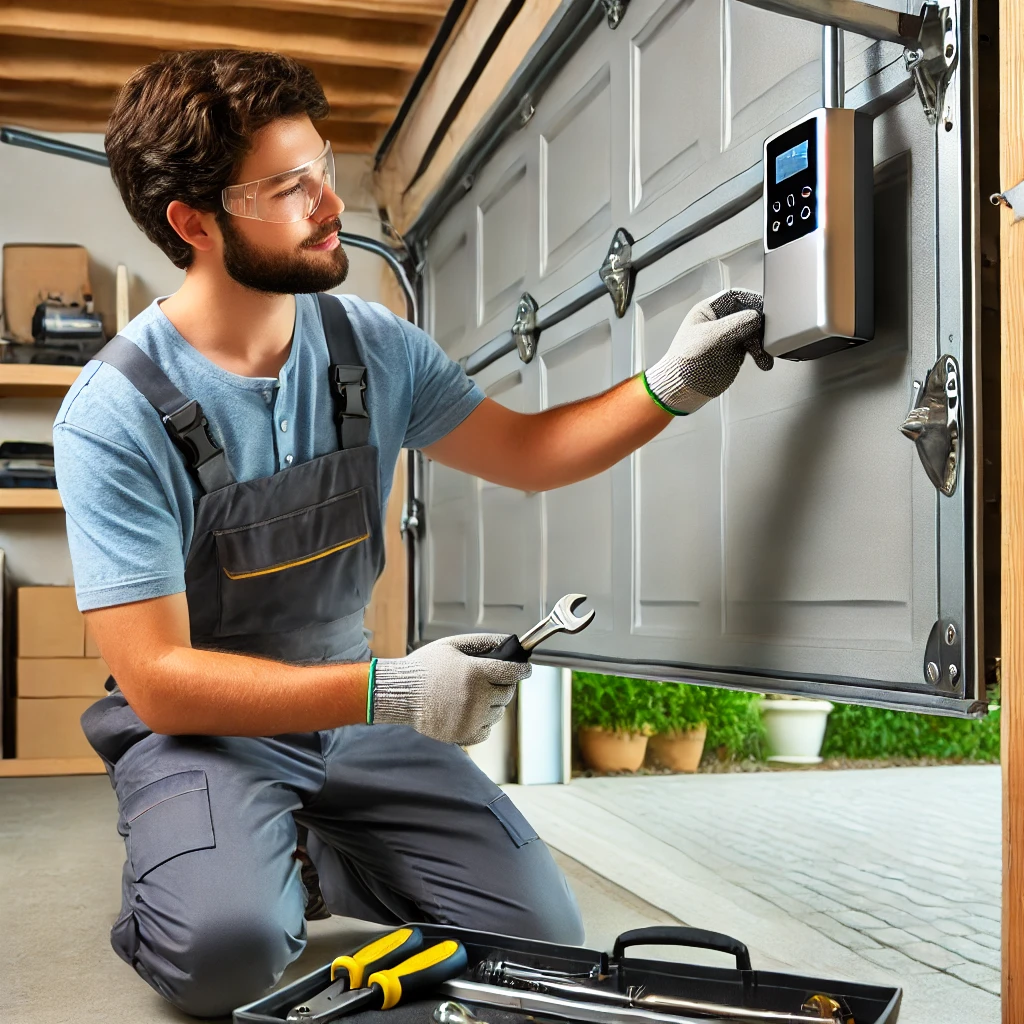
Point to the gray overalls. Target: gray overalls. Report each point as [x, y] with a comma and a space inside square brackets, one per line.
[401, 827]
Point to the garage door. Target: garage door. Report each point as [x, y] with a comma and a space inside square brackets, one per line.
[786, 538]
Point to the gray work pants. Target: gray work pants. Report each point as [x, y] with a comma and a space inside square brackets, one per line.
[401, 828]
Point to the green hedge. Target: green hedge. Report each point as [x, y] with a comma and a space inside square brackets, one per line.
[638, 705]
[860, 732]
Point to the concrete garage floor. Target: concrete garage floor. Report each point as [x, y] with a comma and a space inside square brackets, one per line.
[883, 876]
[60, 870]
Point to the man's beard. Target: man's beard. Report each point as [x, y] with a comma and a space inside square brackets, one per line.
[282, 273]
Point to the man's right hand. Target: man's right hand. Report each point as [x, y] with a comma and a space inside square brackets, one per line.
[443, 691]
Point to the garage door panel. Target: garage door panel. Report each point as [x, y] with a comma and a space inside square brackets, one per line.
[674, 132]
[774, 70]
[576, 174]
[786, 532]
[450, 554]
[503, 243]
[578, 519]
[452, 293]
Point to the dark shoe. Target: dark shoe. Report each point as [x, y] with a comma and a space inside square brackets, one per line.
[316, 908]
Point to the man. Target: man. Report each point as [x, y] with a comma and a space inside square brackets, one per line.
[225, 465]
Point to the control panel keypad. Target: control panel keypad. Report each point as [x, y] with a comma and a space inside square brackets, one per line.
[791, 185]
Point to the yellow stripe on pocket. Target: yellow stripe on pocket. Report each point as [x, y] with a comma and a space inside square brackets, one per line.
[297, 562]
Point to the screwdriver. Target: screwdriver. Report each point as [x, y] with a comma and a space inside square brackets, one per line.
[419, 975]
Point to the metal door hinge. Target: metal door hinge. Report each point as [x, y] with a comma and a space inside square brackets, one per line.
[414, 521]
[935, 424]
[524, 330]
[933, 60]
[1012, 198]
[617, 271]
[942, 656]
[614, 11]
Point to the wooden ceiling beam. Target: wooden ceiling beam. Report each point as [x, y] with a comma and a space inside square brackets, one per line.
[63, 61]
[429, 12]
[310, 37]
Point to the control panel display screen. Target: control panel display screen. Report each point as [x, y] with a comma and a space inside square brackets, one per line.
[793, 161]
[791, 184]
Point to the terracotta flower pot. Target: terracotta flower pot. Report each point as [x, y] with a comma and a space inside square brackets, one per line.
[679, 751]
[612, 751]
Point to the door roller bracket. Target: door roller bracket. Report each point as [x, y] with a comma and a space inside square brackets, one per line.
[1012, 198]
[614, 12]
[942, 656]
[524, 330]
[935, 424]
[932, 61]
[617, 271]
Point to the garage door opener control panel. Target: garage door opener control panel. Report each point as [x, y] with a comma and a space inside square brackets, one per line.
[819, 235]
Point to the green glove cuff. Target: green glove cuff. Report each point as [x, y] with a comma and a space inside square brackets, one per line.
[369, 691]
[657, 401]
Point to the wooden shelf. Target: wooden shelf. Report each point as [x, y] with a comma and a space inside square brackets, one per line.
[19, 380]
[25, 767]
[30, 499]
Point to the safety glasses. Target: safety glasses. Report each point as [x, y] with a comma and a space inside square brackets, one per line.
[283, 198]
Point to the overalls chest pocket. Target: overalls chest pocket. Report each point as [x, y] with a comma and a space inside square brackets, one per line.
[311, 565]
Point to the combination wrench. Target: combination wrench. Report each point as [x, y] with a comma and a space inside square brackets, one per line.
[562, 619]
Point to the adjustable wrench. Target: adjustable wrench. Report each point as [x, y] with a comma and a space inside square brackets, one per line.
[562, 619]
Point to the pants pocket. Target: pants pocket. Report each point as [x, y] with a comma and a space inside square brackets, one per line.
[167, 818]
[519, 829]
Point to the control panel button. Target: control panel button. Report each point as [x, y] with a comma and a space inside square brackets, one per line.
[791, 199]
[776, 206]
[806, 191]
[805, 213]
[775, 225]
[789, 221]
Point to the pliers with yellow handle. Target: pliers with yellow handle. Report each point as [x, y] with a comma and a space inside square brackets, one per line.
[386, 982]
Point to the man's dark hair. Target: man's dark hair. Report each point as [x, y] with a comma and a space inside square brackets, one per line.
[182, 125]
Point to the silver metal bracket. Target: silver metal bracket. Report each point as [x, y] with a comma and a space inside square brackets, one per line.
[1012, 198]
[933, 60]
[614, 11]
[524, 330]
[942, 655]
[930, 38]
[935, 424]
[617, 271]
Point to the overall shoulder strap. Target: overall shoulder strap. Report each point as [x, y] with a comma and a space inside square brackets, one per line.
[182, 418]
[347, 374]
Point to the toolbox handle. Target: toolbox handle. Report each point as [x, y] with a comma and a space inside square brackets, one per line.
[674, 935]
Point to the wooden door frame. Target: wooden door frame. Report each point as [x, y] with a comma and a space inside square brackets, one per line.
[1011, 245]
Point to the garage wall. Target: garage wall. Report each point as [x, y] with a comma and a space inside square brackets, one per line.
[52, 199]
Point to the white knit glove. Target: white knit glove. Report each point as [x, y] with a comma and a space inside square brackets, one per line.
[708, 350]
[444, 693]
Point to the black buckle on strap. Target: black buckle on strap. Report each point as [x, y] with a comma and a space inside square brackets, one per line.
[190, 431]
[349, 386]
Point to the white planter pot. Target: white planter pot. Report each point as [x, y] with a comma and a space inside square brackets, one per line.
[796, 729]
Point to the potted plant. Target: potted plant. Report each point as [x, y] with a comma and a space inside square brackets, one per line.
[612, 716]
[681, 725]
[795, 728]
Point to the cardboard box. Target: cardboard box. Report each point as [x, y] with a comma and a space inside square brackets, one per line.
[49, 623]
[50, 727]
[62, 677]
[32, 273]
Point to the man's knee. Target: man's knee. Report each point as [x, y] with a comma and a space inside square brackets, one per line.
[555, 915]
[227, 961]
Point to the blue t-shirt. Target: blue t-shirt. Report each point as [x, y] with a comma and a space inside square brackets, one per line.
[128, 494]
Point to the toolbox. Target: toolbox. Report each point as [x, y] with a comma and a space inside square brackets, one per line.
[483, 985]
